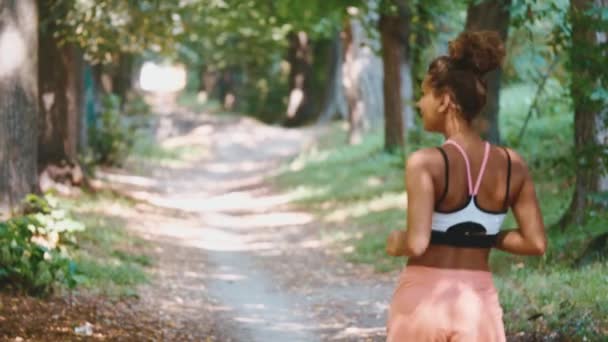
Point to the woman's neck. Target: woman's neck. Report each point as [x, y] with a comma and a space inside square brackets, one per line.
[456, 128]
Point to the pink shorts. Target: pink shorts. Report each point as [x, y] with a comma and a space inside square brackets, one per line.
[435, 304]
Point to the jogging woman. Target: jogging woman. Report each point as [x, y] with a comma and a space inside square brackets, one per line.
[458, 196]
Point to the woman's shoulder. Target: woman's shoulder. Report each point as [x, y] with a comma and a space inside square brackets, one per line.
[518, 163]
[424, 157]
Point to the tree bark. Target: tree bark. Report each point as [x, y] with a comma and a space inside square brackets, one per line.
[362, 79]
[227, 85]
[18, 101]
[589, 129]
[208, 82]
[351, 89]
[61, 100]
[300, 57]
[602, 118]
[61, 104]
[392, 57]
[491, 15]
[122, 78]
[334, 100]
[407, 94]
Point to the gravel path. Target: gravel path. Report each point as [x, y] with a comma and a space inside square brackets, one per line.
[235, 253]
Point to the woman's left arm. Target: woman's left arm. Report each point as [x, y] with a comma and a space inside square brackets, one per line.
[420, 189]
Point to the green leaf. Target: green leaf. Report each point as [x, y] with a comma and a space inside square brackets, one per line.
[600, 94]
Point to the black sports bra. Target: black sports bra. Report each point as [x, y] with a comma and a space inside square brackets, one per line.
[470, 225]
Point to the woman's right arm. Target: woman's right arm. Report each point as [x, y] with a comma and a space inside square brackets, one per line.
[529, 238]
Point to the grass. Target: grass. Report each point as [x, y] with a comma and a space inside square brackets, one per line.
[109, 258]
[357, 193]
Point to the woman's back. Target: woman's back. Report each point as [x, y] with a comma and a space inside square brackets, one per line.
[500, 183]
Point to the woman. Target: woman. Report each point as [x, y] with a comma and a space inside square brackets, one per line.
[458, 195]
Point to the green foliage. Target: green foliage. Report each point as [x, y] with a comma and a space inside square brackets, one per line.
[559, 300]
[542, 148]
[46, 248]
[34, 248]
[136, 105]
[219, 34]
[109, 259]
[433, 24]
[563, 296]
[105, 28]
[110, 140]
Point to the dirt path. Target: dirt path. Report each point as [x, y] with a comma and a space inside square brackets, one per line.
[231, 251]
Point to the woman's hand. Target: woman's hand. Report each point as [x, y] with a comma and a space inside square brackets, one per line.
[395, 243]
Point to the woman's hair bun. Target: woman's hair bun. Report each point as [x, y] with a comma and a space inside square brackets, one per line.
[480, 51]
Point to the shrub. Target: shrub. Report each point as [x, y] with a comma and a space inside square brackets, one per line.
[34, 247]
[110, 140]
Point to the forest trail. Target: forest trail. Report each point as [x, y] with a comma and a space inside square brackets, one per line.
[231, 251]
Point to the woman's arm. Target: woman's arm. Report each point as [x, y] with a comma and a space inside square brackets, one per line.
[420, 202]
[529, 238]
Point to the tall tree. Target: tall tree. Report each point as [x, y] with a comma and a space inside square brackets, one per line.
[394, 35]
[491, 15]
[334, 101]
[589, 91]
[122, 77]
[60, 81]
[300, 58]
[362, 77]
[18, 100]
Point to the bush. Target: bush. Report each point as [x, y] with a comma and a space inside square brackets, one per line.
[110, 140]
[34, 247]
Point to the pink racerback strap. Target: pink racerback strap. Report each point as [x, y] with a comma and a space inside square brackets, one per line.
[472, 191]
[486, 153]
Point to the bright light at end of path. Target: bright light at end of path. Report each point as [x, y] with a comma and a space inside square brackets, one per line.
[162, 78]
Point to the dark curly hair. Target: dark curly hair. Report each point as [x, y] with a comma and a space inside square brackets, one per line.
[471, 55]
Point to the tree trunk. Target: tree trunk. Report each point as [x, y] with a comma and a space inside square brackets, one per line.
[18, 101]
[227, 85]
[602, 118]
[334, 101]
[60, 81]
[407, 94]
[122, 78]
[209, 80]
[589, 116]
[392, 57]
[587, 176]
[491, 15]
[90, 105]
[103, 79]
[61, 100]
[351, 89]
[362, 79]
[300, 57]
